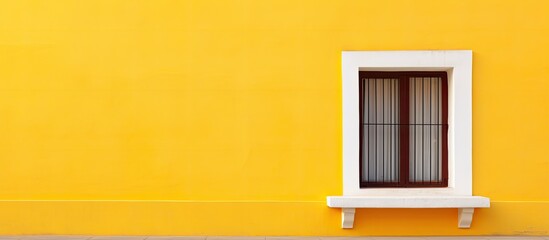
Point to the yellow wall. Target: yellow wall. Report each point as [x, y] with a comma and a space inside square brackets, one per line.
[224, 117]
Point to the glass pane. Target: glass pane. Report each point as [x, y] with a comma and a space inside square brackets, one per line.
[380, 131]
[425, 130]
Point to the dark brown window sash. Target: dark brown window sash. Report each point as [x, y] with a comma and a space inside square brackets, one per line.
[404, 82]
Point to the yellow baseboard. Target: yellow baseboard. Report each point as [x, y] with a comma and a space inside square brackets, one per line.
[258, 218]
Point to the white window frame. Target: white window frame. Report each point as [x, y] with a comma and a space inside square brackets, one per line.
[458, 65]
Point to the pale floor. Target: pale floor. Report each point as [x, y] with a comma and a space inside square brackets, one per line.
[52, 237]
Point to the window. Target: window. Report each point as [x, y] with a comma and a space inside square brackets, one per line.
[403, 129]
[457, 64]
[397, 77]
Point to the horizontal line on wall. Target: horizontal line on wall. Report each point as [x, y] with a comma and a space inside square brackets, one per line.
[518, 201]
[166, 201]
[210, 201]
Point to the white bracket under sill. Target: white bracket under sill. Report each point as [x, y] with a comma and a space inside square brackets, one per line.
[465, 204]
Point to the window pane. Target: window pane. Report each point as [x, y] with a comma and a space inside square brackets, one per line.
[380, 136]
[425, 130]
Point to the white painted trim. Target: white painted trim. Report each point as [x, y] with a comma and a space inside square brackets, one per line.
[347, 217]
[465, 204]
[408, 202]
[458, 64]
[465, 217]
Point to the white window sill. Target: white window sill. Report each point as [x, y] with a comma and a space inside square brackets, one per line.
[465, 205]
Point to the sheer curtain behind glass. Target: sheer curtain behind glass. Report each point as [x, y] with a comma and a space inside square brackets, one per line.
[381, 130]
[381, 133]
[425, 130]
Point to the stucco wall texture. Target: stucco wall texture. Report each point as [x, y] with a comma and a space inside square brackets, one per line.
[224, 117]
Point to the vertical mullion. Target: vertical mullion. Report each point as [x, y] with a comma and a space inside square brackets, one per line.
[393, 126]
[383, 130]
[422, 129]
[393, 130]
[415, 129]
[367, 81]
[375, 129]
[404, 130]
[390, 128]
[430, 127]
